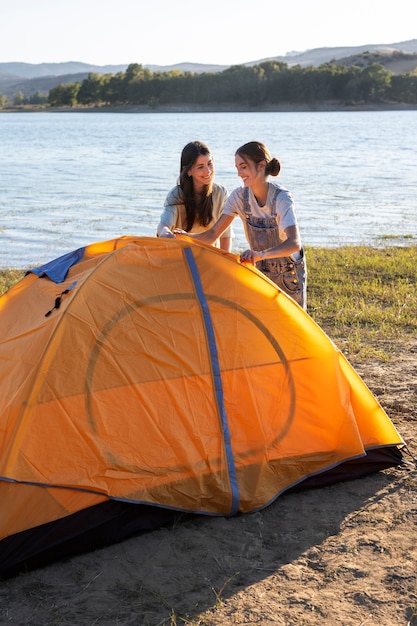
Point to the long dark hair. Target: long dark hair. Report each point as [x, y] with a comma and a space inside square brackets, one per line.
[200, 206]
[257, 152]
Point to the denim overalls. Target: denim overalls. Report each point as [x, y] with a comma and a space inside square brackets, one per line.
[286, 272]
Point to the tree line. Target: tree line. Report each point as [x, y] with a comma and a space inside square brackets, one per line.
[267, 83]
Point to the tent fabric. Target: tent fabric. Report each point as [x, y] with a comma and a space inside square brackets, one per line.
[57, 269]
[163, 374]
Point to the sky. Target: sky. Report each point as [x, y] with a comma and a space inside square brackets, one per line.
[166, 32]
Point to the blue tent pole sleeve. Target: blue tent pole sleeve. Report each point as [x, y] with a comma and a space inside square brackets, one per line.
[218, 385]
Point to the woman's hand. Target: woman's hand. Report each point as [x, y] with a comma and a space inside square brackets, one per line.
[250, 257]
[164, 231]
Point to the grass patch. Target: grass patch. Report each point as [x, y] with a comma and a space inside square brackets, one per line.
[388, 237]
[9, 278]
[365, 299]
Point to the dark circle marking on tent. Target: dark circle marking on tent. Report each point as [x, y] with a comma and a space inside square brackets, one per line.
[117, 317]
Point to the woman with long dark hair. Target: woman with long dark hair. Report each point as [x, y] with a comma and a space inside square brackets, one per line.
[196, 202]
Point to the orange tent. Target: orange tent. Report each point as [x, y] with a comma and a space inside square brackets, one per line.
[143, 376]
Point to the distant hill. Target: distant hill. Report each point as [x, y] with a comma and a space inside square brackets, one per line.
[31, 70]
[42, 85]
[31, 78]
[395, 62]
[318, 56]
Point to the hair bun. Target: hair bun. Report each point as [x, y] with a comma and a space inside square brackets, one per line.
[273, 168]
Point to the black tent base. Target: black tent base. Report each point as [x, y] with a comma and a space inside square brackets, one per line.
[84, 531]
[113, 521]
[374, 461]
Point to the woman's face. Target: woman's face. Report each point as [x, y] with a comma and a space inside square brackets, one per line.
[249, 171]
[202, 171]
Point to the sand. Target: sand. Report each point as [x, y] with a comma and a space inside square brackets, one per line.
[344, 554]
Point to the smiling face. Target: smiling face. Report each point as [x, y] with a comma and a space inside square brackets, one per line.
[250, 172]
[202, 171]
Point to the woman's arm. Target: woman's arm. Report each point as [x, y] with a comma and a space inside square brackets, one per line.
[210, 235]
[226, 244]
[169, 215]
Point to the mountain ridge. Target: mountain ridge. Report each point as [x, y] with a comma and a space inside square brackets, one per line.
[30, 78]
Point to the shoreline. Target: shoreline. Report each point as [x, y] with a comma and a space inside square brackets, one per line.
[320, 107]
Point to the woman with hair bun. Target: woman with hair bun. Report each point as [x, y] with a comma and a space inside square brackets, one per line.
[268, 214]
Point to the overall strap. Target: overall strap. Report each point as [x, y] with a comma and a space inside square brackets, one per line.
[274, 202]
[246, 205]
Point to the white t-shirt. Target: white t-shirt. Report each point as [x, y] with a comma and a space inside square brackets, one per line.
[284, 207]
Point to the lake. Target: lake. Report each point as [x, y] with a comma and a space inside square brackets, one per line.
[68, 179]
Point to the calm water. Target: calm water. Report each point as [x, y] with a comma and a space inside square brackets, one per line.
[68, 179]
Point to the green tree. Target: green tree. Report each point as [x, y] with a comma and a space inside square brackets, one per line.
[135, 71]
[374, 82]
[404, 88]
[114, 89]
[19, 98]
[64, 95]
[37, 98]
[92, 89]
[138, 90]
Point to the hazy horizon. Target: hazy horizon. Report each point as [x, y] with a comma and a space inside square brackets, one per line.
[224, 34]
